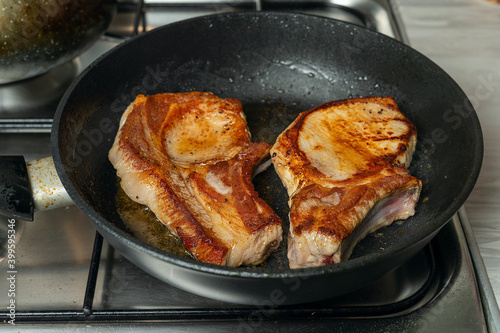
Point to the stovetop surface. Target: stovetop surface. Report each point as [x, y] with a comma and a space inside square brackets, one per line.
[433, 291]
[54, 253]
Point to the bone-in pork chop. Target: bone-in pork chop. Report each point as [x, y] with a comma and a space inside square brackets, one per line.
[344, 165]
[189, 158]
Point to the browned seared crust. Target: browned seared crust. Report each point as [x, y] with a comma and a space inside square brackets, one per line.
[189, 157]
[298, 160]
[337, 162]
[340, 220]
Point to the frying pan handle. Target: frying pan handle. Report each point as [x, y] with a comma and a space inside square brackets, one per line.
[29, 187]
[47, 190]
[15, 190]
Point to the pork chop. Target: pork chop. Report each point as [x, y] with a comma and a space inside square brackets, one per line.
[344, 165]
[189, 158]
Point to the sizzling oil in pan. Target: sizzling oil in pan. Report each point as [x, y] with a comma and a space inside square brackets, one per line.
[144, 225]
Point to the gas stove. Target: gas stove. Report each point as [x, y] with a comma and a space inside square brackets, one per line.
[67, 278]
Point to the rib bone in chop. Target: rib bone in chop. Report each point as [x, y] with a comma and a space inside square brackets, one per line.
[344, 167]
[189, 158]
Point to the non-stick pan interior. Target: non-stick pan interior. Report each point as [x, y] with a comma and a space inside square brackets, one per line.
[278, 65]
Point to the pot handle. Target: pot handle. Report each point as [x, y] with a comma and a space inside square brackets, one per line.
[26, 188]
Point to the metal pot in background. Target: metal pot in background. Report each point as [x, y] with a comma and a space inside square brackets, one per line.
[38, 35]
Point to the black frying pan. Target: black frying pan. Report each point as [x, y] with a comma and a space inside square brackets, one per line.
[277, 65]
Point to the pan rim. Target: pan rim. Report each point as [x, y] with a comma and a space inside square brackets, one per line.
[349, 265]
